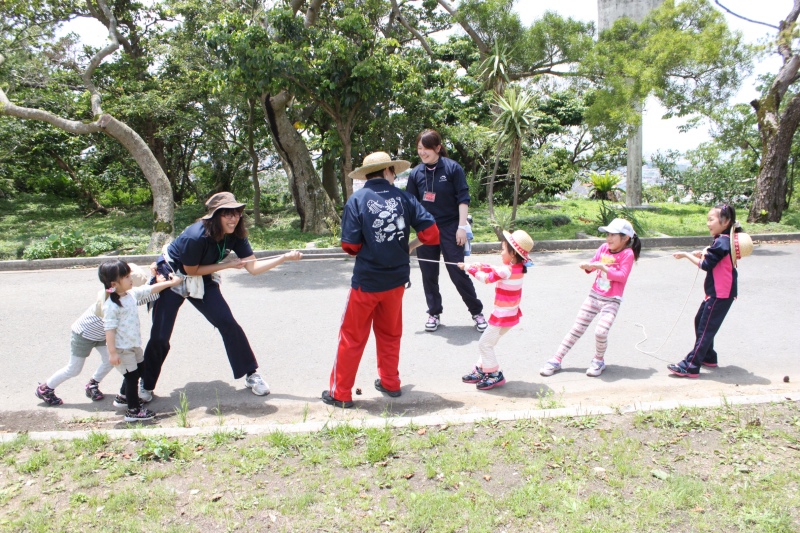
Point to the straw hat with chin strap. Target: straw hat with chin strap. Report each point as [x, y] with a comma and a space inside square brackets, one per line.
[741, 245]
[378, 161]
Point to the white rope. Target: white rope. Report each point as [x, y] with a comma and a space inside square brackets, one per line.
[644, 332]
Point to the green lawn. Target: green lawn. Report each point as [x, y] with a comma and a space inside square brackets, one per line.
[731, 469]
[26, 219]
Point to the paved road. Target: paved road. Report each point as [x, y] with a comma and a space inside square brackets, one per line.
[292, 314]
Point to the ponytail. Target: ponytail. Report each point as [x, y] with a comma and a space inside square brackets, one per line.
[635, 245]
[113, 271]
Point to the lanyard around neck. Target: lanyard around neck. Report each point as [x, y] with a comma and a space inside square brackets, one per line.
[222, 248]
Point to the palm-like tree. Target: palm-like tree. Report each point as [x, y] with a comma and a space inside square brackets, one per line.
[513, 122]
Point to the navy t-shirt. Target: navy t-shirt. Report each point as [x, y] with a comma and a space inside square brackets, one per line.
[378, 217]
[448, 182]
[194, 247]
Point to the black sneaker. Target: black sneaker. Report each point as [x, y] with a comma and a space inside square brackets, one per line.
[43, 392]
[681, 370]
[138, 415]
[93, 392]
[330, 400]
[491, 380]
[392, 393]
[476, 376]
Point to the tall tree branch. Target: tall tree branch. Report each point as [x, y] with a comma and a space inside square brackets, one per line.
[421, 38]
[744, 18]
[482, 47]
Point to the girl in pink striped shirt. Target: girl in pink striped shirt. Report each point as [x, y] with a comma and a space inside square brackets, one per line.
[508, 292]
[612, 263]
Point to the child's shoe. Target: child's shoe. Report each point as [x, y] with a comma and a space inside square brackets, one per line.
[596, 367]
[684, 371]
[550, 367]
[432, 324]
[480, 322]
[475, 376]
[93, 392]
[138, 415]
[43, 392]
[491, 380]
[122, 401]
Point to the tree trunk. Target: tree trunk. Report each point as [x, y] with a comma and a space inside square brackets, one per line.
[329, 180]
[163, 208]
[251, 104]
[514, 170]
[777, 131]
[311, 201]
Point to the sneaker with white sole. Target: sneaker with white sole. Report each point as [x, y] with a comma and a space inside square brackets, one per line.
[596, 368]
[138, 415]
[480, 322]
[145, 395]
[550, 367]
[256, 384]
[122, 401]
[432, 324]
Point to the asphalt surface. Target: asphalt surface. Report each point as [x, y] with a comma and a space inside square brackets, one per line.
[292, 314]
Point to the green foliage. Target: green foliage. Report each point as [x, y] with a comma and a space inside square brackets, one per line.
[603, 185]
[609, 212]
[71, 244]
[542, 221]
[161, 449]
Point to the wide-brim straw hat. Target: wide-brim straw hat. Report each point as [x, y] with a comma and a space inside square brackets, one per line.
[378, 161]
[521, 241]
[221, 200]
[741, 246]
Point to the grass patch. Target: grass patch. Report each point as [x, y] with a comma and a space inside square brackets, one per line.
[26, 222]
[725, 469]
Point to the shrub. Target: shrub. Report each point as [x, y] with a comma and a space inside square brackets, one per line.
[70, 244]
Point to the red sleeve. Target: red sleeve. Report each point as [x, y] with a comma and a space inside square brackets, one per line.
[351, 249]
[429, 235]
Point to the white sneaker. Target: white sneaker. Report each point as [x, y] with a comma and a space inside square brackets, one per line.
[480, 322]
[432, 324]
[596, 368]
[550, 367]
[145, 395]
[258, 386]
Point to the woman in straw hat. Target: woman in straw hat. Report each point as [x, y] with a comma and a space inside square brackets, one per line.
[721, 287]
[375, 228]
[198, 255]
[508, 293]
[440, 185]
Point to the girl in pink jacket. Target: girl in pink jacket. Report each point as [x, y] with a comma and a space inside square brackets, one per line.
[612, 262]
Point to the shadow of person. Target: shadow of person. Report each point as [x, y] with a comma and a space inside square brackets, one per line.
[217, 398]
[616, 373]
[455, 335]
[732, 375]
[410, 404]
[519, 389]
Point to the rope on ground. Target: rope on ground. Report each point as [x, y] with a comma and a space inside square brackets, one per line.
[644, 332]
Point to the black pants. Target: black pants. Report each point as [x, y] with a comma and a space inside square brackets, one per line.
[214, 307]
[452, 253]
[706, 324]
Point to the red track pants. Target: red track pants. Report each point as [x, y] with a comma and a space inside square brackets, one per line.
[383, 311]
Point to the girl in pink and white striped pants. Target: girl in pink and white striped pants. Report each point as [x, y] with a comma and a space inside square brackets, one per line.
[612, 262]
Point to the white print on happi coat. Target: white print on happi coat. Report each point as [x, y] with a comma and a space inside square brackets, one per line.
[388, 222]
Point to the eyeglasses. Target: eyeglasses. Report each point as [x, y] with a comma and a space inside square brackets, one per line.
[230, 213]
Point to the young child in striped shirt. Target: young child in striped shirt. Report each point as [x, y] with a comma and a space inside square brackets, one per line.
[88, 333]
[507, 295]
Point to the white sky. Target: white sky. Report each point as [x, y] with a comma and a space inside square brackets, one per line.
[663, 134]
[658, 134]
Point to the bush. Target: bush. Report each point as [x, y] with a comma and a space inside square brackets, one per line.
[609, 212]
[543, 221]
[70, 244]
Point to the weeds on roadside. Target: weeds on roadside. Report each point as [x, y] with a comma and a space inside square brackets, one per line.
[182, 411]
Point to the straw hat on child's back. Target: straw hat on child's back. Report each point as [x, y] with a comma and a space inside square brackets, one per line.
[741, 246]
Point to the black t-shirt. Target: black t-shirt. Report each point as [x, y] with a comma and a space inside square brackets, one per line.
[194, 247]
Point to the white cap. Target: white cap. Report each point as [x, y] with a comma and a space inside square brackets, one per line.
[619, 225]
